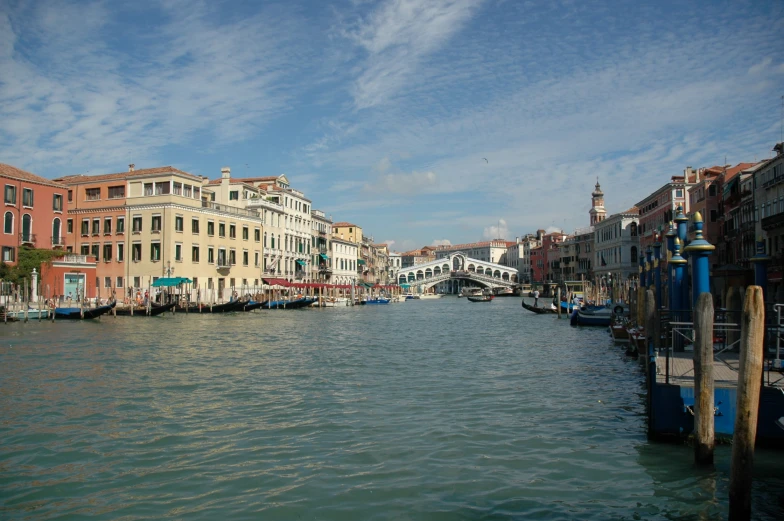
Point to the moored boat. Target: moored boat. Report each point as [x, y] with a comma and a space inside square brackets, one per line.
[144, 312]
[378, 300]
[480, 298]
[289, 304]
[80, 313]
[539, 310]
[31, 314]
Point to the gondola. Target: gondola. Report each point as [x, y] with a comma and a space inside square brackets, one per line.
[538, 310]
[252, 304]
[142, 311]
[79, 313]
[289, 304]
[226, 307]
[480, 298]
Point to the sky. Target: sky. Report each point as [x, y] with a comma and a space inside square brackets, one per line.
[423, 122]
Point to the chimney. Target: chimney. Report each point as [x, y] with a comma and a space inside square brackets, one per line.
[225, 172]
[131, 167]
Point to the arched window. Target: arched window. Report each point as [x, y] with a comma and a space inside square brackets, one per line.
[56, 232]
[8, 223]
[634, 253]
[27, 228]
[633, 228]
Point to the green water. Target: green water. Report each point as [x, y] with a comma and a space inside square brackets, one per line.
[421, 410]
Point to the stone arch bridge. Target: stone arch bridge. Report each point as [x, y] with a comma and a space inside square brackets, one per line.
[458, 269]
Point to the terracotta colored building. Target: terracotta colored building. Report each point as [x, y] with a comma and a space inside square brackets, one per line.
[33, 212]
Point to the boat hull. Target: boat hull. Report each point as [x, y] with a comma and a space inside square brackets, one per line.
[79, 314]
[142, 312]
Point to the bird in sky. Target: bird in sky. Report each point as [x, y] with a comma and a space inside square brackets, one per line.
[486, 161]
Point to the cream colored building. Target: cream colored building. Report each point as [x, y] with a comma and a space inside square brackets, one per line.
[344, 261]
[321, 242]
[172, 233]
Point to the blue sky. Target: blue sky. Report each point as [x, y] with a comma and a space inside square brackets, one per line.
[382, 112]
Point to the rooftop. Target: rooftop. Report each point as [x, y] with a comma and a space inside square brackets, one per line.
[22, 175]
[82, 178]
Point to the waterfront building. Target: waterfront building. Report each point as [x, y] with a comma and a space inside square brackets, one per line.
[395, 264]
[290, 254]
[345, 256]
[321, 242]
[769, 207]
[34, 211]
[518, 256]
[162, 222]
[537, 263]
[347, 231]
[617, 247]
[488, 251]
[413, 258]
[577, 257]
[551, 256]
[383, 274]
[659, 208]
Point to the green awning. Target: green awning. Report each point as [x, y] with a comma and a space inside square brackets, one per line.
[367, 285]
[302, 263]
[170, 281]
[405, 286]
[323, 256]
[360, 261]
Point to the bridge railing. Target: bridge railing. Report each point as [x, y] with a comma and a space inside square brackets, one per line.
[488, 279]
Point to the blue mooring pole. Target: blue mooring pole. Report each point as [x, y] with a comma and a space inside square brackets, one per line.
[657, 271]
[760, 261]
[699, 249]
[678, 267]
[682, 226]
[671, 234]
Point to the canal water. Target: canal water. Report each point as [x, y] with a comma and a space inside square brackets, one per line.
[423, 410]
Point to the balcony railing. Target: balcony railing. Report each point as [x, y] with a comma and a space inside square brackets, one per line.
[27, 238]
[58, 242]
[772, 221]
[224, 208]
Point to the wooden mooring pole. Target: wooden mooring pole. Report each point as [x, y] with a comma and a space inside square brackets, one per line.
[703, 380]
[747, 405]
[558, 301]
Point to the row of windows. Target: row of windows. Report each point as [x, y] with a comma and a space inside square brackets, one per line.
[106, 251]
[93, 226]
[10, 197]
[27, 228]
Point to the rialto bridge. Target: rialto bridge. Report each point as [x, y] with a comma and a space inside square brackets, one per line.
[455, 271]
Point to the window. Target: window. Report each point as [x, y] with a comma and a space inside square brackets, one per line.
[137, 282]
[120, 254]
[232, 231]
[155, 251]
[107, 226]
[195, 226]
[156, 223]
[57, 202]
[211, 255]
[95, 251]
[245, 233]
[96, 226]
[221, 257]
[232, 257]
[136, 224]
[234, 195]
[119, 282]
[187, 191]
[136, 252]
[634, 254]
[69, 225]
[679, 193]
[256, 259]
[257, 235]
[107, 252]
[195, 254]
[210, 228]
[8, 254]
[56, 232]
[10, 194]
[177, 188]
[178, 252]
[245, 258]
[85, 249]
[147, 188]
[120, 225]
[221, 230]
[117, 192]
[27, 197]
[196, 192]
[8, 223]
[713, 215]
[162, 188]
[70, 195]
[178, 223]
[92, 194]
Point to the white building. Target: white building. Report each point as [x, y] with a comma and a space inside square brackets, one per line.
[488, 251]
[344, 261]
[321, 246]
[617, 246]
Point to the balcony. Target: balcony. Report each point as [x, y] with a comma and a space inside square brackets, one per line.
[233, 210]
[27, 239]
[773, 221]
[58, 242]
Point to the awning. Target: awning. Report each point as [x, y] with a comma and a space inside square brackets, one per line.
[323, 256]
[170, 281]
[277, 282]
[361, 261]
[365, 284]
[302, 263]
[405, 286]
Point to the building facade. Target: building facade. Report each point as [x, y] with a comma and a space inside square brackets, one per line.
[617, 246]
[345, 254]
[321, 242]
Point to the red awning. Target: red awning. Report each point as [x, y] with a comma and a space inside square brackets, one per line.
[277, 282]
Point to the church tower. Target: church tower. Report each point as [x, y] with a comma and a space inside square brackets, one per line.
[597, 211]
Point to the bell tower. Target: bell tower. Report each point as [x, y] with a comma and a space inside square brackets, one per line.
[597, 211]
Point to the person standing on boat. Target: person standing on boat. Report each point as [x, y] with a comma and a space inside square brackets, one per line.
[536, 297]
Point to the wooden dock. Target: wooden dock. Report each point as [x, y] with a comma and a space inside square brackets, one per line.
[725, 370]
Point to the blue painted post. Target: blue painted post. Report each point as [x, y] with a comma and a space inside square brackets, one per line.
[657, 271]
[682, 227]
[642, 269]
[699, 249]
[760, 261]
[670, 252]
[678, 267]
